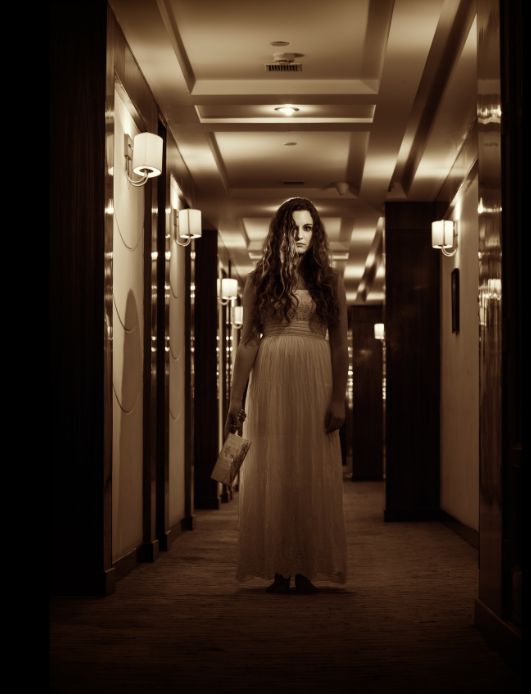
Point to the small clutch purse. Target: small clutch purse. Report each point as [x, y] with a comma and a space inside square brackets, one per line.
[230, 459]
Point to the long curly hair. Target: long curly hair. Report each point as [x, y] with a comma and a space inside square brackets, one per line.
[275, 274]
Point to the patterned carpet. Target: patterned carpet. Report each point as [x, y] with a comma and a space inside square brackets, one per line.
[402, 623]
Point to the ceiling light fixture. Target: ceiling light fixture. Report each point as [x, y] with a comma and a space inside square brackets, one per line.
[287, 109]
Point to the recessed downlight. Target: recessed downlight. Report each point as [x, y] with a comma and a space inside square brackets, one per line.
[287, 109]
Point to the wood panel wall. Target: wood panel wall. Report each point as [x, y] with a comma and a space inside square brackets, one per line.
[367, 411]
[205, 364]
[79, 561]
[413, 362]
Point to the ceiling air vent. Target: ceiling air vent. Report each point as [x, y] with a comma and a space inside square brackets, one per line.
[283, 67]
[285, 62]
[293, 183]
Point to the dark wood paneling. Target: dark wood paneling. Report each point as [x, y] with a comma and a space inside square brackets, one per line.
[149, 548]
[189, 385]
[79, 561]
[225, 331]
[205, 363]
[162, 383]
[490, 280]
[500, 48]
[512, 41]
[367, 413]
[412, 360]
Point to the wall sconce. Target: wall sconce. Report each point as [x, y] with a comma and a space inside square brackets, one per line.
[186, 225]
[379, 331]
[444, 236]
[229, 290]
[144, 156]
[237, 317]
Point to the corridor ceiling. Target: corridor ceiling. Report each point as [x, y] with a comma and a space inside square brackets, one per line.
[386, 92]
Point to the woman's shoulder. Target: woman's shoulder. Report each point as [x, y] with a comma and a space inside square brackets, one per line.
[250, 279]
[249, 285]
[333, 275]
[336, 281]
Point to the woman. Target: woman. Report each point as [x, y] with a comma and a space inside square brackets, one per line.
[291, 484]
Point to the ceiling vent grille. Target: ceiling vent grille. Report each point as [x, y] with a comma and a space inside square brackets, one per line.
[283, 67]
[293, 183]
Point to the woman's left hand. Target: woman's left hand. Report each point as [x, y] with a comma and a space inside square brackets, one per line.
[335, 416]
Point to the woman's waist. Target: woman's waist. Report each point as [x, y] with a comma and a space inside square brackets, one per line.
[295, 328]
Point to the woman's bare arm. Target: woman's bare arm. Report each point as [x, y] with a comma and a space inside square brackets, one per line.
[339, 346]
[248, 347]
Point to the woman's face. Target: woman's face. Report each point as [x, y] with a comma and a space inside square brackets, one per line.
[303, 229]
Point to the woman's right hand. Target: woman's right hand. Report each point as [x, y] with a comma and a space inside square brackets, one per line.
[234, 422]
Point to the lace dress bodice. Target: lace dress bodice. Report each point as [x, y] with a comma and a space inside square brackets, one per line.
[301, 324]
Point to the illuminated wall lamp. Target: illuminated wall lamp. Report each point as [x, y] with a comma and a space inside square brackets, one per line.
[144, 156]
[379, 331]
[444, 236]
[229, 290]
[186, 225]
[237, 317]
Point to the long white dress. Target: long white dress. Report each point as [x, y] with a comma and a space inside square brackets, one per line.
[290, 505]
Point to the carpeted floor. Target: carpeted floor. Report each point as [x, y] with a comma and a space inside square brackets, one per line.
[402, 623]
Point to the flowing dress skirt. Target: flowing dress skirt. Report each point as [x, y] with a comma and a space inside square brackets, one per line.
[290, 503]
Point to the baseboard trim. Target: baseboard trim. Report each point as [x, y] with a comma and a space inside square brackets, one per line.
[148, 551]
[126, 564]
[466, 532]
[182, 526]
[505, 637]
[187, 523]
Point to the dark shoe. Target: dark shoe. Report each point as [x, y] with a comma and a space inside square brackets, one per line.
[280, 585]
[304, 585]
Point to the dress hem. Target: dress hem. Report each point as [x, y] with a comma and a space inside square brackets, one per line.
[318, 576]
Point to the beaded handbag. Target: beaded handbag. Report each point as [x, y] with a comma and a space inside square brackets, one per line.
[230, 459]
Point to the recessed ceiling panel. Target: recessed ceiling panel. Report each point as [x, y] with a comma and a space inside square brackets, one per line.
[256, 228]
[232, 39]
[353, 113]
[254, 159]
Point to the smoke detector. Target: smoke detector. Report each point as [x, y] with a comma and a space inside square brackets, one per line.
[286, 57]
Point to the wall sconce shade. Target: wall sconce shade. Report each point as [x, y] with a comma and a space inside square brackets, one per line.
[444, 236]
[237, 316]
[379, 331]
[227, 290]
[144, 156]
[190, 224]
[147, 155]
[186, 225]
